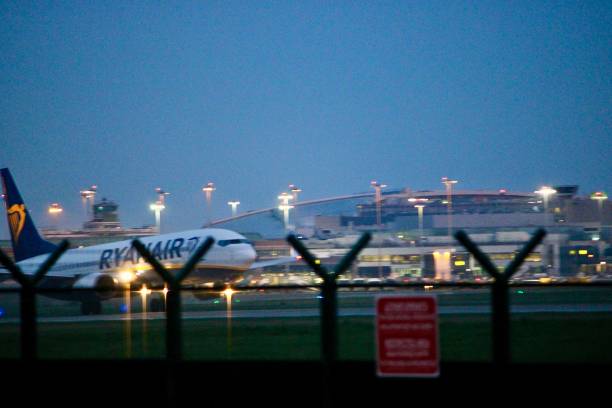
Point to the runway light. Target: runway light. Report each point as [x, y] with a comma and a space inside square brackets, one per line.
[1, 312]
[123, 308]
[144, 291]
[520, 292]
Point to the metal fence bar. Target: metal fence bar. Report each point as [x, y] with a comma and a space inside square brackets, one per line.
[29, 334]
[329, 307]
[329, 303]
[174, 344]
[173, 297]
[500, 298]
[518, 260]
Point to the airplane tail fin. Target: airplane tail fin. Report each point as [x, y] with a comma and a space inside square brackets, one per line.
[26, 240]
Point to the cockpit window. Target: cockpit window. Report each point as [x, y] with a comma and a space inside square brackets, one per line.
[226, 242]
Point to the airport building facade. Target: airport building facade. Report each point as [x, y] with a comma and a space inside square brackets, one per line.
[413, 243]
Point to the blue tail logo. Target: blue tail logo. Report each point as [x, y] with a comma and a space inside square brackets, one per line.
[27, 242]
[16, 217]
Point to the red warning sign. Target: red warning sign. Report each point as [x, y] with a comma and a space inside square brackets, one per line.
[407, 336]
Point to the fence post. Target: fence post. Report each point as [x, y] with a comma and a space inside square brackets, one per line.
[174, 344]
[329, 328]
[501, 321]
[29, 333]
[173, 297]
[329, 303]
[500, 298]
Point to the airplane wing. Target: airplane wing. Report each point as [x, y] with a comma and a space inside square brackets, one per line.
[273, 262]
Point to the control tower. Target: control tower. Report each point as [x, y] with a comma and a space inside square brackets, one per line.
[102, 227]
[105, 216]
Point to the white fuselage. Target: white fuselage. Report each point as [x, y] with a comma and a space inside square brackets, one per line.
[230, 255]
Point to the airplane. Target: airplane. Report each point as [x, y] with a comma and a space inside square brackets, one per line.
[112, 265]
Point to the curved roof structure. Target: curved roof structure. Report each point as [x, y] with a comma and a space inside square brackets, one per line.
[269, 221]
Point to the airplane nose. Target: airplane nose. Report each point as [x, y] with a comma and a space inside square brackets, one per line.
[252, 254]
[247, 254]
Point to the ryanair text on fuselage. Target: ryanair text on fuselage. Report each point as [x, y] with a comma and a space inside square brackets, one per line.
[161, 250]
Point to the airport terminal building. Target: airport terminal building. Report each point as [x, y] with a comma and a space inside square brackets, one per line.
[413, 232]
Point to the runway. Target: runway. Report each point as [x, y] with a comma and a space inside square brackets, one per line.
[314, 312]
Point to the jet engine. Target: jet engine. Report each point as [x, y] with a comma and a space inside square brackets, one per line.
[104, 286]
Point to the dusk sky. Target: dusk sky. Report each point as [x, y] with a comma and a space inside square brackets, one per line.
[327, 95]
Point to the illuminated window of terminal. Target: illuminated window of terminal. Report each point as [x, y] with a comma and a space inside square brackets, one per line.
[404, 259]
[375, 258]
[534, 258]
[502, 257]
